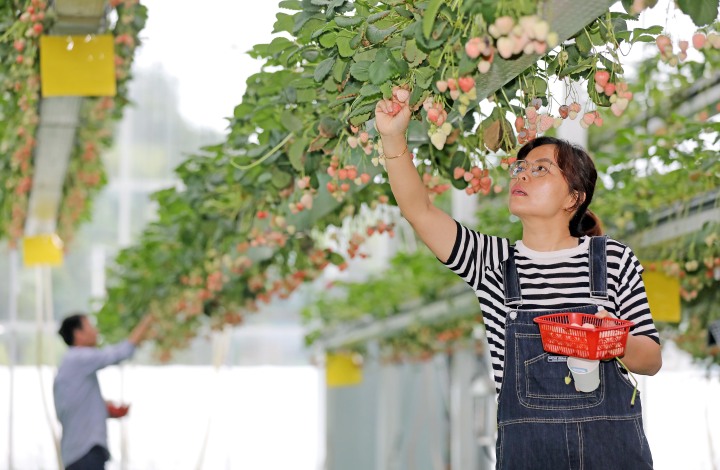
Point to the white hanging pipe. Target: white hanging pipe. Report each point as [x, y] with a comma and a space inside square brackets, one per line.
[221, 346]
[41, 297]
[13, 290]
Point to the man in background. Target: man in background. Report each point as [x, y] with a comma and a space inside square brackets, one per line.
[79, 405]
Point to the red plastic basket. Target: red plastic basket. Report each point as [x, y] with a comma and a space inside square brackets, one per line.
[605, 341]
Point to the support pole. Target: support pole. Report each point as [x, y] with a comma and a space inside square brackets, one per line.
[13, 290]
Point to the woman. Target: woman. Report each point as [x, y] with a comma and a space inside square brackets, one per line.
[560, 264]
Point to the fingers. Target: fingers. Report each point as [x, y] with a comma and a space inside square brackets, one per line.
[604, 314]
[386, 106]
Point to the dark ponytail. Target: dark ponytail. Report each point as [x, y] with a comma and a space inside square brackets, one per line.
[589, 225]
[580, 173]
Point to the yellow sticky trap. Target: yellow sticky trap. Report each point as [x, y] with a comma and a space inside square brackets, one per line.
[342, 370]
[663, 294]
[45, 250]
[77, 65]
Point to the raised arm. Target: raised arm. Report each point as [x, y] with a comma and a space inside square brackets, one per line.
[436, 228]
[139, 333]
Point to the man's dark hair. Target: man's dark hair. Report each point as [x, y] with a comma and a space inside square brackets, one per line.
[69, 325]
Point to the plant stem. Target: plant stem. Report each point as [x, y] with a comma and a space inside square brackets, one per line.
[264, 157]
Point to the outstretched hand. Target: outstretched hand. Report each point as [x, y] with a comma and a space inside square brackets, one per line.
[392, 116]
[139, 333]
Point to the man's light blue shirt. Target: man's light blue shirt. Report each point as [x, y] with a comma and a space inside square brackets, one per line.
[79, 405]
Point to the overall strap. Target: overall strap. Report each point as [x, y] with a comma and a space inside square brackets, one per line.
[511, 282]
[597, 257]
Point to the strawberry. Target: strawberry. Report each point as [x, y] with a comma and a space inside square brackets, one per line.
[609, 89]
[505, 47]
[588, 118]
[663, 43]
[458, 173]
[438, 140]
[466, 84]
[698, 40]
[602, 77]
[441, 85]
[402, 95]
[563, 111]
[483, 66]
[474, 47]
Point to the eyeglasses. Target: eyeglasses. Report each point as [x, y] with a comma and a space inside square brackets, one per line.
[538, 168]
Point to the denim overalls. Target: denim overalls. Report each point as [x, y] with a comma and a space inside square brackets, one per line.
[545, 424]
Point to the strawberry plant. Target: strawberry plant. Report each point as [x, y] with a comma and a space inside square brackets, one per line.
[21, 25]
[298, 184]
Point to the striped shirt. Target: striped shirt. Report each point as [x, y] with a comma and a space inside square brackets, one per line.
[548, 280]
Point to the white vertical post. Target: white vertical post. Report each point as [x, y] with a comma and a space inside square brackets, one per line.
[124, 187]
[388, 417]
[464, 207]
[322, 409]
[462, 443]
[13, 290]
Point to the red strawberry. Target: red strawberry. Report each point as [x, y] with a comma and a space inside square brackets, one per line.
[466, 84]
[602, 77]
[564, 110]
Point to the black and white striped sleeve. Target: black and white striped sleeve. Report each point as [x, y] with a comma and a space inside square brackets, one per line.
[632, 301]
[473, 253]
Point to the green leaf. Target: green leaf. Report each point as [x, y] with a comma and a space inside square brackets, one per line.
[359, 119]
[290, 5]
[369, 90]
[360, 71]
[376, 35]
[412, 54]
[380, 72]
[348, 21]
[583, 43]
[296, 153]
[702, 12]
[338, 71]
[365, 108]
[428, 21]
[279, 44]
[323, 69]
[328, 40]
[424, 76]
[378, 16]
[343, 44]
[291, 122]
[540, 86]
[280, 179]
[284, 23]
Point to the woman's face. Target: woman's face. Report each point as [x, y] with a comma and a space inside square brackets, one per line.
[541, 197]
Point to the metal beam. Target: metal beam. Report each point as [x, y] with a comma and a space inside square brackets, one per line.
[681, 219]
[459, 302]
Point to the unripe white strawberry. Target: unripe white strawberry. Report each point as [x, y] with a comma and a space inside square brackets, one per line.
[438, 140]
